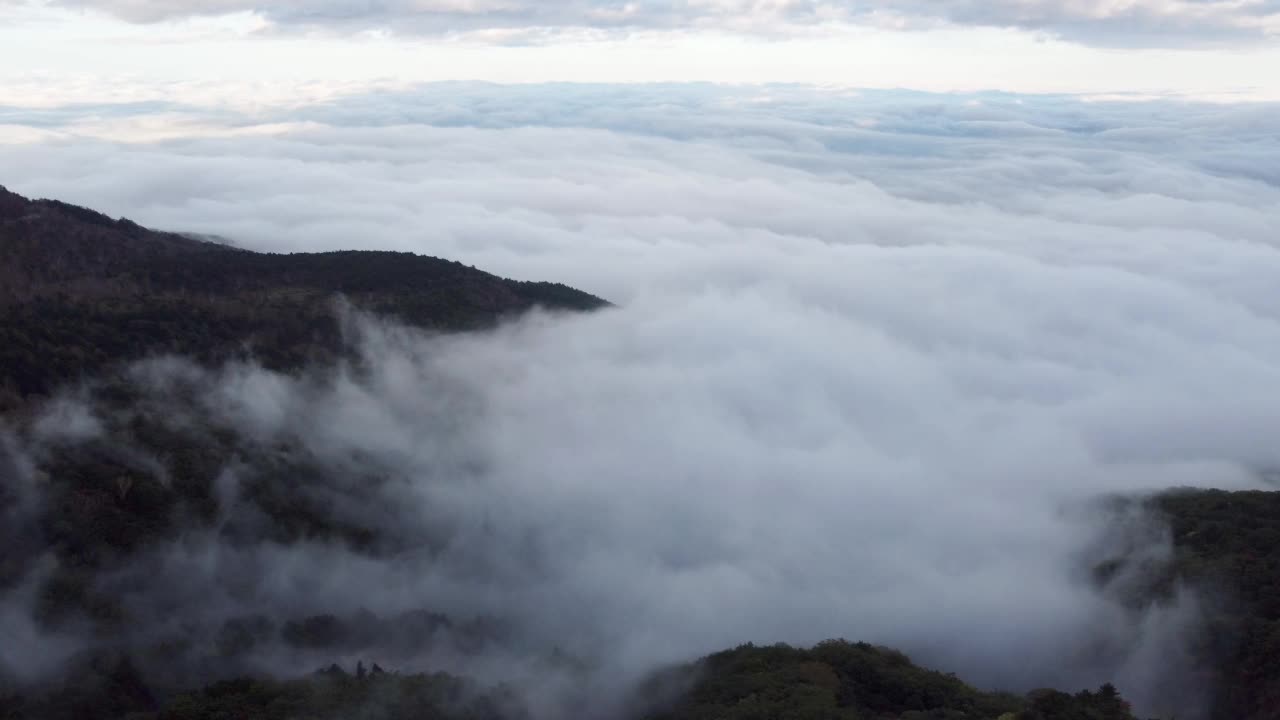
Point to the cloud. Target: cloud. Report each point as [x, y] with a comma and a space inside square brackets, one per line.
[1138, 22]
[633, 490]
[874, 355]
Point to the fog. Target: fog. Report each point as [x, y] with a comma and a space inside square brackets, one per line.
[873, 361]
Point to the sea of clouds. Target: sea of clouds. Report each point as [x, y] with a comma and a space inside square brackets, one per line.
[1157, 23]
[872, 357]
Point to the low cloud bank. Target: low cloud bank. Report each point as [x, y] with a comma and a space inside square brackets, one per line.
[629, 490]
[1156, 23]
[875, 358]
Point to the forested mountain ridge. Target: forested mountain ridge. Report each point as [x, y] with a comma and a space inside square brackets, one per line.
[80, 291]
[835, 680]
[1228, 544]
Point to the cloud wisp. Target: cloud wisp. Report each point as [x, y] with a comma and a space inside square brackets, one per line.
[1093, 22]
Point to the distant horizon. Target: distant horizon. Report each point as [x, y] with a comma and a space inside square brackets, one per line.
[1214, 49]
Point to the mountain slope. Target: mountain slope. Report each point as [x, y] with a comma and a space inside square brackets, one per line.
[80, 291]
[839, 680]
[836, 680]
[1228, 543]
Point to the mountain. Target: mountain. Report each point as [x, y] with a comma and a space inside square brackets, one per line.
[80, 291]
[835, 680]
[840, 680]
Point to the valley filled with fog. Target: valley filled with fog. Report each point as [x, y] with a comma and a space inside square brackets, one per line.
[875, 361]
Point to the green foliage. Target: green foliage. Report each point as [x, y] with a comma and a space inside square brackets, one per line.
[116, 693]
[1105, 704]
[80, 292]
[839, 680]
[336, 695]
[1228, 544]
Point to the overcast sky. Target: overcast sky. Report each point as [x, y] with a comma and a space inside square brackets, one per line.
[254, 50]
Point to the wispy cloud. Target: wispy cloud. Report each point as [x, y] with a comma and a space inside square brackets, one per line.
[1097, 22]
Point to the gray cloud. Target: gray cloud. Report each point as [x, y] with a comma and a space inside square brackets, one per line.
[1144, 22]
[635, 509]
[874, 354]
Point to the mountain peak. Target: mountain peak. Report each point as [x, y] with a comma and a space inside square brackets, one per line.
[12, 205]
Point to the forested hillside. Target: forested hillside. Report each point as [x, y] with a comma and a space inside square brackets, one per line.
[80, 291]
[835, 680]
[1228, 543]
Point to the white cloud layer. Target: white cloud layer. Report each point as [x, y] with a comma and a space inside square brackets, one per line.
[1104, 22]
[869, 345]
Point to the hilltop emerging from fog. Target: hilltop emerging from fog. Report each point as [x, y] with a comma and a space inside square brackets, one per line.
[81, 291]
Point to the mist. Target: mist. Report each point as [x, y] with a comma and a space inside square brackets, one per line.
[631, 491]
[872, 366]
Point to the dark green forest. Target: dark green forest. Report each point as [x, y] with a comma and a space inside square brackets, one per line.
[836, 680]
[82, 295]
[80, 292]
[1229, 544]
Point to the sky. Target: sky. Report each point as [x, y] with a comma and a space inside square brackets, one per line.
[244, 51]
[900, 288]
